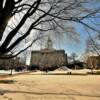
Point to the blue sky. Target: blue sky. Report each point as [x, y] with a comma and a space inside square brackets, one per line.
[80, 47]
[75, 47]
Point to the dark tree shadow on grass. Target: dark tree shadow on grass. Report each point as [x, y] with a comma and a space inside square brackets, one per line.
[51, 93]
[7, 81]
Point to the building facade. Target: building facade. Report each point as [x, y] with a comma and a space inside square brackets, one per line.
[93, 62]
[48, 57]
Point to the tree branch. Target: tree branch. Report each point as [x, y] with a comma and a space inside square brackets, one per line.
[12, 56]
[14, 31]
[26, 34]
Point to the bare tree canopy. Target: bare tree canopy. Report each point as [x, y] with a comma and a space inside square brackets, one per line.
[93, 45]
[19, 19]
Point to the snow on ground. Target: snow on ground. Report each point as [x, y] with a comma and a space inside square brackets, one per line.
[9, 71]
[57, 71]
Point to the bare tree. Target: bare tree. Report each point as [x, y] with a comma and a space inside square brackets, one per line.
[18, 19]
[93, 45]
